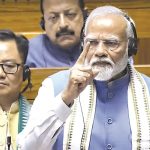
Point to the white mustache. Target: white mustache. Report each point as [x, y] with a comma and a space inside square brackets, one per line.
[102, 60]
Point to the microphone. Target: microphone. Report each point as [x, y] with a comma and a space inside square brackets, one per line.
[8, 142]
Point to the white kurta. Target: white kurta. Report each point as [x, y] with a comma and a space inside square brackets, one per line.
[49, 112]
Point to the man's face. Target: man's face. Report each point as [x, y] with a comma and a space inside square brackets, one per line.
[63, 22]
[10, 84]
[108, 45]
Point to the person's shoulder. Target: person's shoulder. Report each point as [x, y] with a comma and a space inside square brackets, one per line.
[36, 44]
[60, 73]
[37, 38]
[58, 76]
[147, 79]
[58, 81]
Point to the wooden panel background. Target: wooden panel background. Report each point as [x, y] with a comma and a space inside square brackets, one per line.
[24, 16]
[20, 16]
[39, 74]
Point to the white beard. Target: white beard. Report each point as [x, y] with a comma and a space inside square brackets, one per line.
[108, 71]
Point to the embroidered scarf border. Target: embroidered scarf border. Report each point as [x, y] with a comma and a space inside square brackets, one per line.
[79, 133]
[139, 110]
[24, 109]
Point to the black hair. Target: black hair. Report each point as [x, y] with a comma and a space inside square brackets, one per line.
[21, 42]
[81, 4]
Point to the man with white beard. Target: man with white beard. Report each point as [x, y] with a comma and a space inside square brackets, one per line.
[102, 102]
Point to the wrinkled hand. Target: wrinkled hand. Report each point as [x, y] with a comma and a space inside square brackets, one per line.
[80, 77]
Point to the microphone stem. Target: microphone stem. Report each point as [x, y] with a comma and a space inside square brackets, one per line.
[8, 142]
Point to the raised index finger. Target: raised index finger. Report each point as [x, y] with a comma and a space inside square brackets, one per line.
[83, 55]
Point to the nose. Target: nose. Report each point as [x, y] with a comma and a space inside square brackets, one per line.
[100, 50]
[63, 21]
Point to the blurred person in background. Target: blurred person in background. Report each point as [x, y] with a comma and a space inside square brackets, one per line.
[60, 46]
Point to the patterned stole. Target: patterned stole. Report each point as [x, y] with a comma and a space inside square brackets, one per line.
[79, 124]
[139, 111]
[24, 109]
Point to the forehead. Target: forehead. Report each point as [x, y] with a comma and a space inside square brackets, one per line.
[9, 51]
[107, 25]
[60, 5]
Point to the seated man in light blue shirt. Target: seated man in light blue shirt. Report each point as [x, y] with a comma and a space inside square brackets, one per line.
[60, 46]
[102, 102]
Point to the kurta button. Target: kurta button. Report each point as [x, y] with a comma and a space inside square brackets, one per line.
[109, 121]
[109, 147]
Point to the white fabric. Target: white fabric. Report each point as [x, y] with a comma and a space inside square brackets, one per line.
[82, 115]
[47, 116]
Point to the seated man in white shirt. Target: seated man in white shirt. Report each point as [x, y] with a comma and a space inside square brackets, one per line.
[14, 108]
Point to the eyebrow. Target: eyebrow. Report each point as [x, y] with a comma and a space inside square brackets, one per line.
[94, 38]
[66, 10]
[90, 38]
[9, 60]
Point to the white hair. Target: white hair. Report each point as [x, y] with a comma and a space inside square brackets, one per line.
[104, 10]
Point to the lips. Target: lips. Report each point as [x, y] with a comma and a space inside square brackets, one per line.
[101, 63]
[3, 83]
